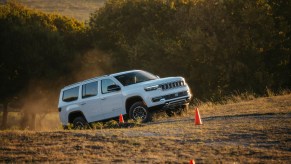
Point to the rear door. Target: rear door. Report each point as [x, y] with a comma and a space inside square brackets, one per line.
[91, 102]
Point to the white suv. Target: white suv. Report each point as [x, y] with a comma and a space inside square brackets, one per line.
[133, 93]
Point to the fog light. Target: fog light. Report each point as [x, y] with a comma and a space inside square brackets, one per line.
[157, 99]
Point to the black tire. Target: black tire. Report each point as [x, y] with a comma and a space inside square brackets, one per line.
[80, 123]
[140, 111]
[178, 111]
[65, 127]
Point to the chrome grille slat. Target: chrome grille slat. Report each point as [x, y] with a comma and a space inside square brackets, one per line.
[172, 85]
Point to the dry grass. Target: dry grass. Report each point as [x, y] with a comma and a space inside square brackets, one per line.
[256, 131]
[263, 105]
[79, 9]
[244, 129]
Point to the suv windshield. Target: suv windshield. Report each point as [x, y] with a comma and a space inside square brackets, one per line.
[135, 77]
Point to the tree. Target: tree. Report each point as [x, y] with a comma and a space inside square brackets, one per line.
[221, 47]
[34, 46]
[278, 58]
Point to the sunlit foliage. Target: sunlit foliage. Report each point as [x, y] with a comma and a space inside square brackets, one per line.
[34, 45]
[220, 46]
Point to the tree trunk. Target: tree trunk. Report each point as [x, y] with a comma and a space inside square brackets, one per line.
[5, 115]
[32, 121]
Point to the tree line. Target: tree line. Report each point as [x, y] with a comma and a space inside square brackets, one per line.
[35, 46]
[221, 47]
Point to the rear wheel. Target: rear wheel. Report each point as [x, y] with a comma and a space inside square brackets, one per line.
[80, 123]
[140, 111]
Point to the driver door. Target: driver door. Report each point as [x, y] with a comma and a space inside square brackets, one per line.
[111, 100]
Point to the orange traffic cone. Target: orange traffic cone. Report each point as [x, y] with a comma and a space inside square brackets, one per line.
[197, 117]
[121, 121]
[192, 161]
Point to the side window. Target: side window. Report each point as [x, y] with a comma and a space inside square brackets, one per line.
[105, 83]
[71, 94]
[90, 89]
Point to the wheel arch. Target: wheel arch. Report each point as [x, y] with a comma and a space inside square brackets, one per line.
[74, 115]
[130, 101]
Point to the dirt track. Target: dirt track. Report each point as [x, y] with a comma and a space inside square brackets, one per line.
[237, 136]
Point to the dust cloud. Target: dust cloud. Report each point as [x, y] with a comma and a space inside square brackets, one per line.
[38, 103]
[92, 64]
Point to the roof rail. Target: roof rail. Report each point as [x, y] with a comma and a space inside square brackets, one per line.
[85, 81]
[94, 78]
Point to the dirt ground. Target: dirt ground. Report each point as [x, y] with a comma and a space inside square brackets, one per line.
[254, 131]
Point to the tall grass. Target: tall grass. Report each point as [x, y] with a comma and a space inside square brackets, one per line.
[210, 106]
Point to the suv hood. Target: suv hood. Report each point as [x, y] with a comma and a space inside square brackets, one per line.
[162, 81]
[158, 81]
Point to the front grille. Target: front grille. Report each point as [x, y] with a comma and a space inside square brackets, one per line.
[172, 85]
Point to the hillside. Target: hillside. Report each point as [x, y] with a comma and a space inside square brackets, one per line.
[79, 9]
[257, 130]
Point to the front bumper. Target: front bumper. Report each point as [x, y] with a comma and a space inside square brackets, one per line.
[172, 104]
[171, 96]
[176, 103]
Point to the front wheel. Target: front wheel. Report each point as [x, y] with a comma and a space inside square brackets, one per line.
[140, 111]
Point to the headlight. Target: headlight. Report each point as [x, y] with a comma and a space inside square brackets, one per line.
[151, 88]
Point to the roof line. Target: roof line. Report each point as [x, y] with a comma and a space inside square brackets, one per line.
[94, 78]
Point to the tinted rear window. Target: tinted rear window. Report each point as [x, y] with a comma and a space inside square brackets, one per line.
[71, 94]
[90, 89]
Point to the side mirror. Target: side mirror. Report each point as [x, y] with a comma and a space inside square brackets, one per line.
[157, 76]
[112, 88]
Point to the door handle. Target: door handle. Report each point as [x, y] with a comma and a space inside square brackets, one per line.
[103, 98]
[83, 104]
